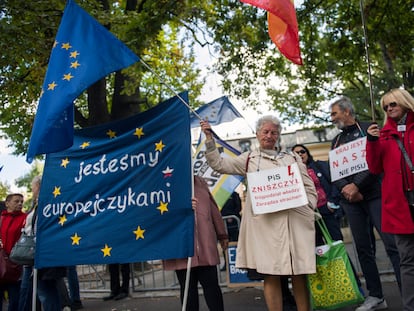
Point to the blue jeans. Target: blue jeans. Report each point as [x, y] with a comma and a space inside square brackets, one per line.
[48, 294]
[13, 289]
[73, 284]
[360, 217]
[26, 289]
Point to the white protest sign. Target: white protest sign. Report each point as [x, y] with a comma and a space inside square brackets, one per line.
[348, 159]
[276, 189]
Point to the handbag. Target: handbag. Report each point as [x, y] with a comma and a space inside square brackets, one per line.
[10, 271]
[333, 285]
[24, 250]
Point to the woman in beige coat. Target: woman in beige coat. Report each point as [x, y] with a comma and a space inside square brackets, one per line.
[277, 243]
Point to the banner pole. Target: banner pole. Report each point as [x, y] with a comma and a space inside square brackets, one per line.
[34, 294]
[170, 88]
[187, 275]
[371, 93]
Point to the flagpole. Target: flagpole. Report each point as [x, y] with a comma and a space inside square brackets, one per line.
[170, 88]
[187, 283]
[187, 275]
[34, 293]
[364, 26]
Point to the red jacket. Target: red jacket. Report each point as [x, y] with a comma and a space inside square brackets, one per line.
[11, 228]
[384, 156]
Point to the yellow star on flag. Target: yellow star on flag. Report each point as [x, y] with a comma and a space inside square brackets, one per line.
[74, 54]
[65, 162]
[139, 132]
[139, 233]
[75, 239]
[85, 144]
[51, 86]
[106, 250]
[159, 146]
[56, 191]
[163, 207]
[111, 134]
[75, 64]
[62, 220]
[66, 46]
[67, 76]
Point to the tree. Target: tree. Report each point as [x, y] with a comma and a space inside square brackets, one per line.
[164, 32]
[4, 190]
[148, 28]
[332, 44]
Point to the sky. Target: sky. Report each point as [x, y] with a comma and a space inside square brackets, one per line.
[13, 166]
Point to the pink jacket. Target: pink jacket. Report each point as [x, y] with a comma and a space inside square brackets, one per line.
[384, 156]
[209, 228]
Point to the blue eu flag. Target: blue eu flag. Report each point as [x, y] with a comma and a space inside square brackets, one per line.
[121, 193]
[216, 112]
[83, 53]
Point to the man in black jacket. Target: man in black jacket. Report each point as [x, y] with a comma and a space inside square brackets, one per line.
[361, 201]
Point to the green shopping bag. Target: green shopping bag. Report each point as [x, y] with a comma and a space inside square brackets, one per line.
[333, 285]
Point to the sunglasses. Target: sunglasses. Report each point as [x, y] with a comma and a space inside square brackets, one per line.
[301, 151]
[392, 105]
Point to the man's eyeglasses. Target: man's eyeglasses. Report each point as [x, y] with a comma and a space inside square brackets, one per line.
[301, 151]
[392, 105]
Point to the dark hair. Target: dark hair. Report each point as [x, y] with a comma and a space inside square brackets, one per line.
[10, 196]
[310, 158]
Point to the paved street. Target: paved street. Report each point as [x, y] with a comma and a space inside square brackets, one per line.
[249, 299]
[240, 299]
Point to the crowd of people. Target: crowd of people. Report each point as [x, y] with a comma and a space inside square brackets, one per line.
[52, 292]
[277, 244]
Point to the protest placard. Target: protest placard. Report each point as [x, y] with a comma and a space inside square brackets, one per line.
[348, 159]
[237, 277]
[276, 189]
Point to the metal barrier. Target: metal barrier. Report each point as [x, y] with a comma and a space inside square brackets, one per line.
[145, 276]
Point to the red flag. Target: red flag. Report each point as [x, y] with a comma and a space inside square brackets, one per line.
[283, 26]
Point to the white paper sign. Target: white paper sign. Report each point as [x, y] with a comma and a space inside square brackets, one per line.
[348, 159]
[276, 189]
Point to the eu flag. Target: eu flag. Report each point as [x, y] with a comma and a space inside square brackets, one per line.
[121, 193]
[84, 52]
[217, 111]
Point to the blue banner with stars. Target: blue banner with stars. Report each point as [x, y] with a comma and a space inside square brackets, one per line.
[121, 193]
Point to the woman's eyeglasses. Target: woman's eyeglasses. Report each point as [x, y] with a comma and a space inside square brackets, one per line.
[392, 105]
[301, 151]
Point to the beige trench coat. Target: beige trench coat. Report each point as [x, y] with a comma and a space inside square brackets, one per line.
[279, 243]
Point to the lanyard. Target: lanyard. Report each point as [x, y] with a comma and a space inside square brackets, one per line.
[339, 136]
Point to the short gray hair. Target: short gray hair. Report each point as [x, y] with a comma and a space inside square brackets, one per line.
[344, 103]
[268, 119]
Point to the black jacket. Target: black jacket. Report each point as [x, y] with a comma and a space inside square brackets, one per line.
[368, 184]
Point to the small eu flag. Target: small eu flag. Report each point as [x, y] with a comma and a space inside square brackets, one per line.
[216, 112]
